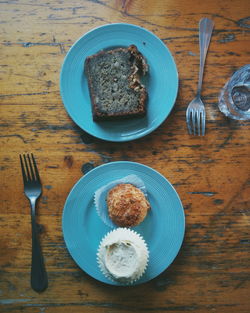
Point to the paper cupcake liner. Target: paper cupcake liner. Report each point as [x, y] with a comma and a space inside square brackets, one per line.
[101, 195]
[123, 234]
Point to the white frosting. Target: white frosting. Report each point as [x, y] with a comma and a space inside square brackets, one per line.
[123, 255]
[122, 260]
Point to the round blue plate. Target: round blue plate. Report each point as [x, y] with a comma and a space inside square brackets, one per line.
[162, 229]
[162, 81]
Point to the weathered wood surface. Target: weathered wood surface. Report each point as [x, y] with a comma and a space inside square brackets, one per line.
[211, 173]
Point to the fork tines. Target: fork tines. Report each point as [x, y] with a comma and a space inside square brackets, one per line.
[29, 168]
[196, 122]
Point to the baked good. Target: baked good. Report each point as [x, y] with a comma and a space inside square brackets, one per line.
[127, 205]
[114, 83]
[123, 256]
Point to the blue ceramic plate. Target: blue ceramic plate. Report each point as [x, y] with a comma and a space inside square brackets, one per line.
[162, 81]
[163, 228]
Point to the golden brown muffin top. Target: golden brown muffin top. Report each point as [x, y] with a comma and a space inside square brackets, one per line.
[127, 205]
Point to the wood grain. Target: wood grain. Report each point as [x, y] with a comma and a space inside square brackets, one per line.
[210, 174]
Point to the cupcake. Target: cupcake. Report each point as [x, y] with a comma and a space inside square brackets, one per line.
[122, 202]
[123, 256]
[127, 205]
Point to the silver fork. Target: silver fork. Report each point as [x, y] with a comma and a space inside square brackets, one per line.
[33, 190]
[196, 114]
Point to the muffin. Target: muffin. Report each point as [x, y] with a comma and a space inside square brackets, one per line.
[123, 256]
[127, 205]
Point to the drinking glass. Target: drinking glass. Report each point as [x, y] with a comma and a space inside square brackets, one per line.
[234, 99]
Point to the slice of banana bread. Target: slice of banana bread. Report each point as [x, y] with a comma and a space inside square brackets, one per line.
[114, 83]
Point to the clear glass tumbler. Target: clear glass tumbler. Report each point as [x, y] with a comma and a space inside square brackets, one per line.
[234, 99]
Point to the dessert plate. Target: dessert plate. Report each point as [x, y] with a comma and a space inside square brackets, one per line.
[162, 229]
[161, 82]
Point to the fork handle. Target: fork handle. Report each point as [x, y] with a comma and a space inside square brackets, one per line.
[205, 31]
[39, 279]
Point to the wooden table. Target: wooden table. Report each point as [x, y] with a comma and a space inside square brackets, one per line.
[210, 173]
